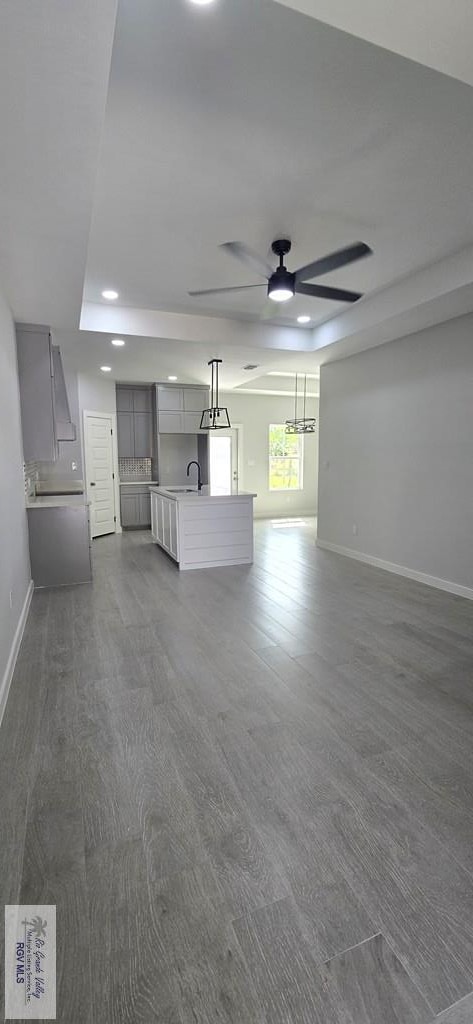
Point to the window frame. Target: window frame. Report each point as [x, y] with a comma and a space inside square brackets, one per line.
[299, 457]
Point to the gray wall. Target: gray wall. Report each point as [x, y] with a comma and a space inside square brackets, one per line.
[14, 556]
[255, 413]
[396, 452]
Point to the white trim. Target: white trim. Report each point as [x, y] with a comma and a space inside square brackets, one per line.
[15, 647]
[292, 513]
[116, 489]
[399, 570]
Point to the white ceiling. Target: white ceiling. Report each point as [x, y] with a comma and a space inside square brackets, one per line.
[432, 32]
[54, 64]
[241, 120]
[248, 121]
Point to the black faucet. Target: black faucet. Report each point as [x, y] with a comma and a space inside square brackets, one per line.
[199, 477]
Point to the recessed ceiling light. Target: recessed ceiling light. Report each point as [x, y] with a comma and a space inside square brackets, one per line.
[118, 342]
[109, 294]
[303, 319]
[172, 378]
[202, 3]
[105, 369]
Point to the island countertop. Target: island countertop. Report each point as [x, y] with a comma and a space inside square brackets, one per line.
[191, 494]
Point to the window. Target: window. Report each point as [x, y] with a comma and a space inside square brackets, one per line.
[285, 459]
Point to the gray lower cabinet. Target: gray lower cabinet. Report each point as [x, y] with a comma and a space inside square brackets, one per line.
[135, 507]
[59, 545]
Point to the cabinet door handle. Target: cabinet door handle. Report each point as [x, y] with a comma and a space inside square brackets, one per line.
[92, 485]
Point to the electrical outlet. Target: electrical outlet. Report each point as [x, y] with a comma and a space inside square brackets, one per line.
[355, 530]
[11, 598]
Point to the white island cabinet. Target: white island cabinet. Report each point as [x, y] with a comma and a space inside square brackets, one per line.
[201, 530]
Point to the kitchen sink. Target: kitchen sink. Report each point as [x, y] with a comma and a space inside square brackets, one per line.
[182, 490]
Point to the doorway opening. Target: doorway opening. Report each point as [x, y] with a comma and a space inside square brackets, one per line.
[224, 461]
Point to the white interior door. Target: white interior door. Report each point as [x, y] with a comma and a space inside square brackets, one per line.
[224, 468]
[99, 472]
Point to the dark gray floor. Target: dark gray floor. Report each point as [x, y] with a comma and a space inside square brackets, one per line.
[249, 791]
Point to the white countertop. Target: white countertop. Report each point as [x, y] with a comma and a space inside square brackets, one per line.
[138, 483]
[58, 501]
[182, 493]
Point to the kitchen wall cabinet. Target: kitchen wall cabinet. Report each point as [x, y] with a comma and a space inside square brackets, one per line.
[125, 435]
[45, 414]
[142, 400]
[124, 399]
[180, 409]
[169, 399]
[143, 435]
[134, 423]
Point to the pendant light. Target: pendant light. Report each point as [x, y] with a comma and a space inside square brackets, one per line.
[302, 424]
[215, 418]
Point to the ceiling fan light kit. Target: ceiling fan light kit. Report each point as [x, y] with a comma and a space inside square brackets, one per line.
[215, 418]
[282, 284]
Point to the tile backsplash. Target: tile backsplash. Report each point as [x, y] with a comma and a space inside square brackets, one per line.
[135, 469]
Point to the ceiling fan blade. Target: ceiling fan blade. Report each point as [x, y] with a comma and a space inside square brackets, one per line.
[251, 259]
[217, 291]
[333, 261]
[320, 291]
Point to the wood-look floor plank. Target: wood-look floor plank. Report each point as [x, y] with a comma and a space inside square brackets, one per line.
[460, 1013]
[290, 986]
[374, 986]
[194, 938]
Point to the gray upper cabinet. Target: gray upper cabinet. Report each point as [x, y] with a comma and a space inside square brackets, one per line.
[195, 399]
[142, 400]
[134, 423]
[180, 409]
[45, 415]
[126, 435]
[142, 435]
[124, 399]
[170, 399]
[35, 372]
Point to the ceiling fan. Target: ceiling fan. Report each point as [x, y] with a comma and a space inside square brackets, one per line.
[282, 284]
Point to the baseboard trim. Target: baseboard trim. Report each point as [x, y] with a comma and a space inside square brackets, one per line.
[309, 514]
[399, 570]
[15, 647]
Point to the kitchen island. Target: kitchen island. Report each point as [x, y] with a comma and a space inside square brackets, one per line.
[201, 529]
